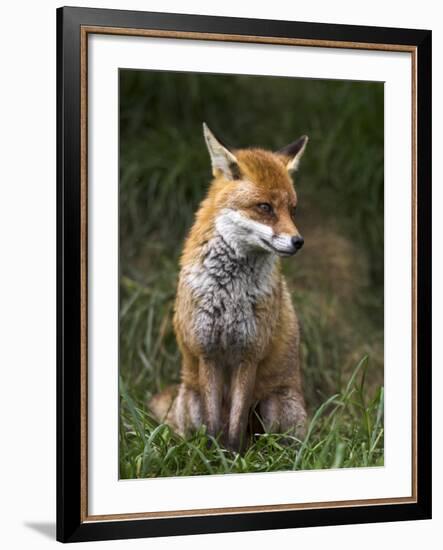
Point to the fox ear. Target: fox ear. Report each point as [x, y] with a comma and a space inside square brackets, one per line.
[222, 159]
[293, 152]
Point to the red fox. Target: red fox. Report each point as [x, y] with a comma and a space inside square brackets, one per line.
[234, 320]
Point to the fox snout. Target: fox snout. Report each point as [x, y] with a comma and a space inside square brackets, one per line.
[297, 242]
[286, 245]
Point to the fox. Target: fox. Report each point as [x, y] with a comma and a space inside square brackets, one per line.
[234, 320]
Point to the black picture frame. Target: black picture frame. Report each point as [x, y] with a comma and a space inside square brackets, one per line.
[71, 525]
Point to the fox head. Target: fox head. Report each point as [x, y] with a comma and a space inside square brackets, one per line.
[253, 196]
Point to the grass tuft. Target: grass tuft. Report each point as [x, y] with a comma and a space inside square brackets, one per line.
[345, 431]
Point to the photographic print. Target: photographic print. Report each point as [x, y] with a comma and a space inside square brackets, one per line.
[251, 261]
[244, 232]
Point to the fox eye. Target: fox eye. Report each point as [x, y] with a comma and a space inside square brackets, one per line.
[265, 207]
[293, 210]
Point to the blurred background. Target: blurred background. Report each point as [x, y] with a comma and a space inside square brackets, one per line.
[336, 280]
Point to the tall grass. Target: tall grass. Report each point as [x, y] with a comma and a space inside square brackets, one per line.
[336, 281]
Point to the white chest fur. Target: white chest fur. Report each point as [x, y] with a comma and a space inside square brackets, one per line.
[227, 287]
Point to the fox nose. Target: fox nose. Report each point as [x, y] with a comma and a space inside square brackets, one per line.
[297, 242]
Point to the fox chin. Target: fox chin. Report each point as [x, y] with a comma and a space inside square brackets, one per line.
[234, 320]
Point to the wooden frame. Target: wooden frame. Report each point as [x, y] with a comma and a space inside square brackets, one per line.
[73, 26]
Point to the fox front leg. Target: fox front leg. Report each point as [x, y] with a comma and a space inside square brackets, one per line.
[211, 391]
[242, 387]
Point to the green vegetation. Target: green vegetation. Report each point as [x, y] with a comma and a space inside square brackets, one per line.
[345, 431]
[336, 280]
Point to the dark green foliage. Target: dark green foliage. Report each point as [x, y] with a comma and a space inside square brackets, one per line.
[337, 279]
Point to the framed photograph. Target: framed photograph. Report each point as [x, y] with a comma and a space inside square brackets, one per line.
[244, 274]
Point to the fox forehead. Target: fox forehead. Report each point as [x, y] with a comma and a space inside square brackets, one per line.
[263, 178]
[267, 172]
[247, 193]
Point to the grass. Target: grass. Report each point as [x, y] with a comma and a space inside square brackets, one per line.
[336, 281]
[345, 431]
